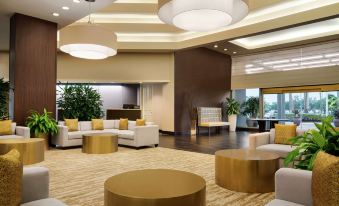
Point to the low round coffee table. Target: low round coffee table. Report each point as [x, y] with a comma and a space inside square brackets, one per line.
[156, 187]
[99, 143]
[32, 150]
[242, 170]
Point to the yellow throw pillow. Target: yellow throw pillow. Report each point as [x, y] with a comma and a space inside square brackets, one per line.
[325, 180]
[284, 132]
[123, 124]
[72, 124]
[140, 122]
[97, 124]
[6, 127]
[11, 178]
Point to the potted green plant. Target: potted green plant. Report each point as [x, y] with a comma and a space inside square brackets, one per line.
[42, 125]
[324, 138]
[4, 90]
[250, 109]
[336, 118]
[297, 117]
[232, 109]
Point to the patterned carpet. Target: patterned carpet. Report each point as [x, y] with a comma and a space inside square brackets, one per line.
[77, 179]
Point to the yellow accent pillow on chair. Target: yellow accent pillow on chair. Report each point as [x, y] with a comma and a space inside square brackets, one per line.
[10, 178]
[325, 180]
[123, 124]
[140, 122]
[6, 127]
[97, 124]
[284, 132]
[72, 124]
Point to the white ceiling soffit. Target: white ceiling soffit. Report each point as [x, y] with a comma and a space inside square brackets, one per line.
[316, 56]
[43, 9]
[305, 32]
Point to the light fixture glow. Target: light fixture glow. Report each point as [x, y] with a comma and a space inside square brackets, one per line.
[249, 65]
[216, 46]
[307, 58]
[201, 15]
[55, 14]
[76, 1]
[285, 65]
[332, 55]
[255, 69]
[65, 8]
[225, 49]
[234, 52]
[335, 60]
[315, 62]
[88, 42]
[276, 62]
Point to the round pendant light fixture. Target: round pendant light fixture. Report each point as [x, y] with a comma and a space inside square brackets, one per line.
[88, 41]
[202, 15]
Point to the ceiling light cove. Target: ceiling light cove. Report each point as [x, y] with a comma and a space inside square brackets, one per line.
[202, 15]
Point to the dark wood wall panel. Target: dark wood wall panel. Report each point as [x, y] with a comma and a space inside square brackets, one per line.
[33, 50]
[203, 79]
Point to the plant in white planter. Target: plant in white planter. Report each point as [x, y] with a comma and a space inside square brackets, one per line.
[232, 109]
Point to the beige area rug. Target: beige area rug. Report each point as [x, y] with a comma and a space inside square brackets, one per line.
[78, 179]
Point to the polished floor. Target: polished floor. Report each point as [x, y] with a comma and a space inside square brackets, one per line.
[206, 144]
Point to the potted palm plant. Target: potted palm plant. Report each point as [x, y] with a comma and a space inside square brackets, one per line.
[232, 109]
[325, 138]
[42, 125]
[250, 109]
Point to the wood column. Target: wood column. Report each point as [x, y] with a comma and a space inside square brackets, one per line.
[33, 50]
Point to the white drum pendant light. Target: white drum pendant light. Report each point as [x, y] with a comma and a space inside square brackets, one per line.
[202, 15]
[88, 41]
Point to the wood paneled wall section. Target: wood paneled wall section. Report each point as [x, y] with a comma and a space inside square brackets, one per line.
[33, 49]
[203, 79]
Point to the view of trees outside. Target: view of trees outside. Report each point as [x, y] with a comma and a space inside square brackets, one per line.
[310, 106]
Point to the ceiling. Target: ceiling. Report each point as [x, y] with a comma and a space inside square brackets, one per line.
[139, 29]
[44, 9]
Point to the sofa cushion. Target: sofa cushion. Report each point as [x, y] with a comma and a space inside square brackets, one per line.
[45, 202]
[126, 134]
[123, 124]
[283, 133]
[77, 134]
[6, 127]
[131, 125]
[325, 180]
[72, 124]
[109, 124]
[280, 149]
[97, 124]
[11, 178]
[86, 126]
[140, 122]
[278, 202]
[113, 131]
[10, 137]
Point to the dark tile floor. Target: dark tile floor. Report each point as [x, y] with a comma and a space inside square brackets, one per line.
[206, 144]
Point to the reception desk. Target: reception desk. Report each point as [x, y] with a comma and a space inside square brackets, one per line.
[131, 114]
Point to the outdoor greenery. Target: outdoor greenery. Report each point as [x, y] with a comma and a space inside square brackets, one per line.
[4, 90]
[250, 108]
[42, 123]
[80, 101]
[231, 107]
[324, 138]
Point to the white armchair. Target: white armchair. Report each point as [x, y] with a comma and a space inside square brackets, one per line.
[18, 132]
[292, 188]
[35, 191]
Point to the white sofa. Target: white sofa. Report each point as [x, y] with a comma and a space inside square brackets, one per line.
[18, 132]
[293, 187]
[135, 136]
[265, 141]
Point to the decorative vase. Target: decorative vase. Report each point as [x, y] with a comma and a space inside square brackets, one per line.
[232, 119]
[45, 137]
[336, 122]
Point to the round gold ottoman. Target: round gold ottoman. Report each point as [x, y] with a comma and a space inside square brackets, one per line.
[250, 171]
[32, 150]
[99, 143]
[155, 187]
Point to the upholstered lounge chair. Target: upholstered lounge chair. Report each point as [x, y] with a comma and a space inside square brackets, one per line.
[18, 132]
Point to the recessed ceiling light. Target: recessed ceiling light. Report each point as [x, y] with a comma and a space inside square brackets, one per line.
[56, 14]
[76, 1]
[234, 52]
[65, 8]
[225, 49]
[215, 46]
